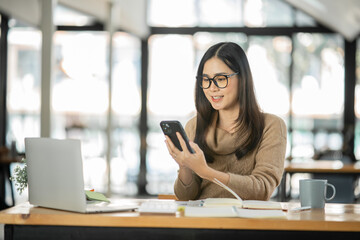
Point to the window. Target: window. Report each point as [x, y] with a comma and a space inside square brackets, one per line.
[23, 85]
[262, 13]
[317, 93]
[164, 13]
[270, 59]
[23, 89]
[225, 13]
[126, 105]
[171, 96]
[80, 99]
[357, 101]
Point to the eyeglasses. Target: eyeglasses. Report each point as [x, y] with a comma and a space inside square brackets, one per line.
[221, 81]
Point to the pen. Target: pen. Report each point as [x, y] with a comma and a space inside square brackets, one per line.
[298, 209]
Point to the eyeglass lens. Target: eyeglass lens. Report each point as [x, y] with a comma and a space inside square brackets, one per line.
[220, 81]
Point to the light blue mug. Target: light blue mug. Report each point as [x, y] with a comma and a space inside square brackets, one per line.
[313, 192]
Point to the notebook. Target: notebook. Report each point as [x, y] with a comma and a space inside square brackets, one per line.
[246, 204]
[55, 177]
[233, 207]
[232, 211]
[238, 202]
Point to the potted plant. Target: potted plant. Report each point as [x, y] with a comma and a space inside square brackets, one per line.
[20, 177]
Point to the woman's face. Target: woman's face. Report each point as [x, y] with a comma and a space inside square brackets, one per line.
[221, 98]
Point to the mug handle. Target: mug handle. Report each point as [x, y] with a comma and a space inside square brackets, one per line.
[334, 192]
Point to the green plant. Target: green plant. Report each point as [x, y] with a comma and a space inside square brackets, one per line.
[20, 177]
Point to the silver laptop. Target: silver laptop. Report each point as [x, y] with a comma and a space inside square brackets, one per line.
[55, 177]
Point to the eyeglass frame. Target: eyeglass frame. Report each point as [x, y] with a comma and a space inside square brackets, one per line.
[200, 78]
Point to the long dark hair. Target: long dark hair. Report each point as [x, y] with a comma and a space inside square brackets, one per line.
[250, 119]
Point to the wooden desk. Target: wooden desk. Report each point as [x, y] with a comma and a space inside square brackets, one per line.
[27, 222]
[316, 166]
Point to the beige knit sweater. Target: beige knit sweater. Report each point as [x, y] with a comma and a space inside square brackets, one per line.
[255, 176]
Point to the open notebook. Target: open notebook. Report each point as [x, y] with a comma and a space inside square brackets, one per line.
[231, 207]
[246, 204]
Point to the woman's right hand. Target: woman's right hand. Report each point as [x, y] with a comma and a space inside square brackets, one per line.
[194, 161]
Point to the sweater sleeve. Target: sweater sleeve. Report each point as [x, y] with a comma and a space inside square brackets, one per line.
[192, 190]
[187, 192]
[269, 164]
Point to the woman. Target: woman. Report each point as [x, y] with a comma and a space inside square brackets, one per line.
[233, 140]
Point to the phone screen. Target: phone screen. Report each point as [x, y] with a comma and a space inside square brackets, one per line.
[170, 128]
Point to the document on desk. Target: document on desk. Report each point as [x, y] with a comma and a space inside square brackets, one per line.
[232, 211]
[230, 207]
[246, 204]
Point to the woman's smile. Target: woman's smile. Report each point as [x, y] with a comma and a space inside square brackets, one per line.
[217, 98]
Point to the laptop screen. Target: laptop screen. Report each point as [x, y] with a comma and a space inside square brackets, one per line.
[55, 173]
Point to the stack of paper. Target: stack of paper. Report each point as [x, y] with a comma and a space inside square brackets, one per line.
[232, 211]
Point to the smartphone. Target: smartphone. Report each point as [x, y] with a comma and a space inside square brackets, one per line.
[170, 128]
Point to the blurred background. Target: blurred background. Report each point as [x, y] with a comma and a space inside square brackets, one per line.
[117, 68]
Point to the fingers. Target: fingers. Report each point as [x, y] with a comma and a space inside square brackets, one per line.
[194, 146]
[170, 145]
[185, 157]
[173, 151]
[182, 143]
